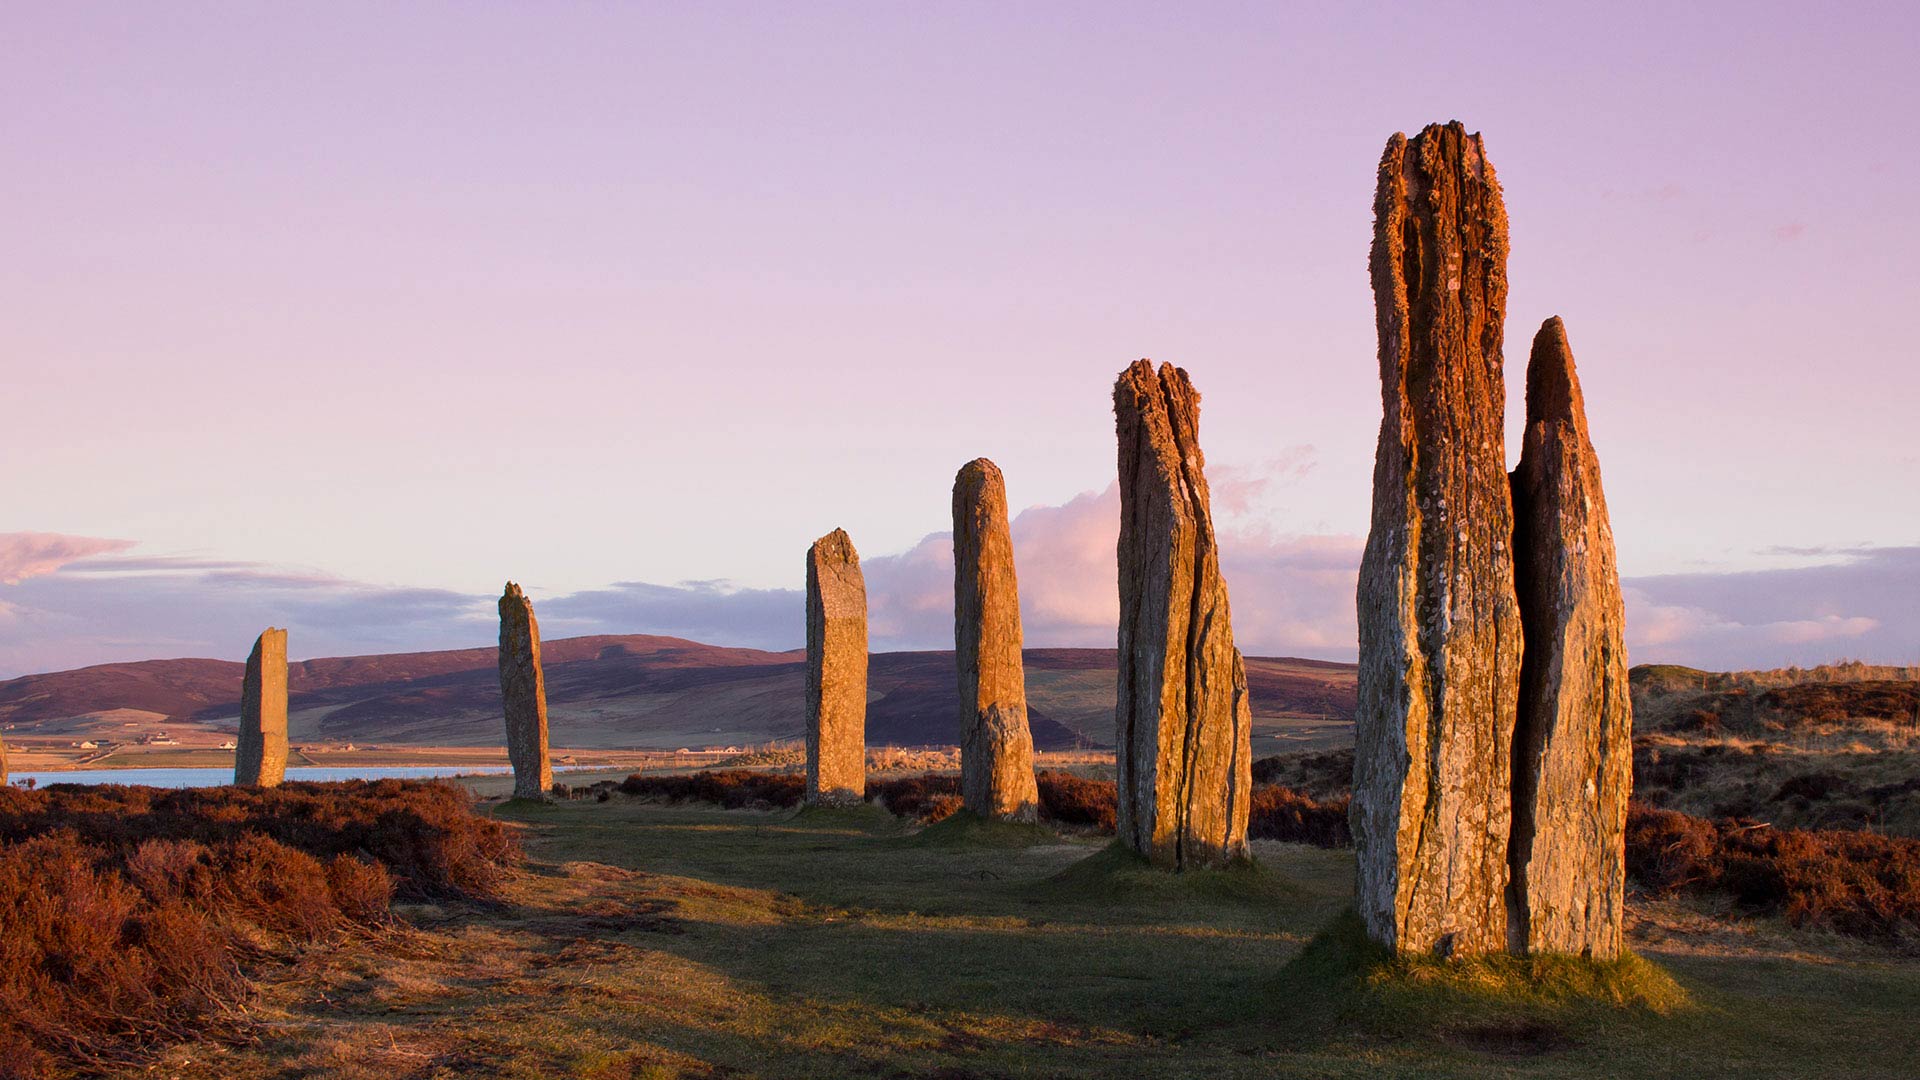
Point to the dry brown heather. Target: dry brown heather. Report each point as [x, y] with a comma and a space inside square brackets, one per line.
[523, 693]
[996, 748]
[1439, 623]
[1183, 721]
[836, 671]
[261, 754]
[1573, 749]
[135, 916]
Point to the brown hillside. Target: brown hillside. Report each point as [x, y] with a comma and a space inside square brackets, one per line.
[628, 691]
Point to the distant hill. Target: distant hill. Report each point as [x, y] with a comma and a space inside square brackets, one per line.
[624, 691]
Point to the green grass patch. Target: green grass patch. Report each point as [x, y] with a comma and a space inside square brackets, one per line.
[965, 830]
[1356, 991]
[1117, 874]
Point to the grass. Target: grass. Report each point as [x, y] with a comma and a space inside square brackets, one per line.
[680, 940]
[1359, 993]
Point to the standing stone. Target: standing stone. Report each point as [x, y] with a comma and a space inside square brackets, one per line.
[1183, 720]
[1573, 747]
[1439, 624]
[836, 672]
[523, 690]
[260, 755]
[996, 748]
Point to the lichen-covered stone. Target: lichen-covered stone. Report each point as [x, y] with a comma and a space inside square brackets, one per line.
[1573, 744]
[996, 747]
[836, 672]
[260, 755]
[523, 694]
[1183, 720]
[1440, 644]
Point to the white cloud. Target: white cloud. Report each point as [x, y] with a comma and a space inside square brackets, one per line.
[30, 554]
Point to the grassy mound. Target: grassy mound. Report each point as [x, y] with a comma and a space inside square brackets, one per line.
[964, 830]
[1349, 989]
[1117, 874]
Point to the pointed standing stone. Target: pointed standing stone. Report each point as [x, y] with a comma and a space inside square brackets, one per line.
[1573, 746]
[523, 691]
[260, 755]
[836, 672]
[1183, 720]
[1439, 624]
[996, 747]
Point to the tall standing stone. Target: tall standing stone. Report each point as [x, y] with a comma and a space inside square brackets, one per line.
[996, 747]
[836, 672]
[1439, 624]
[1183, 720]
[1573, 746]
[260, 755]
[523, 691]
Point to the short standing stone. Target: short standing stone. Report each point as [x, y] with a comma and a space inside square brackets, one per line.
[260, 755]
[1439, 624]
[1573, 756]
[836, 672]
[523, 692]
[996, 747]
[1183, 720]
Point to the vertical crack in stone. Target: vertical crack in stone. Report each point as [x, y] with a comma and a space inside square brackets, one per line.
[260, 750]
[1182, 718]
[1439, 638]
[836, 672]
[523, 696]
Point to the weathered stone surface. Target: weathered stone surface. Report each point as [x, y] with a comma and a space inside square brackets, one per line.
[836, 672]
[996, 748]
[1573, 743]
[1439, 624]
[1183, 720]
[260, 754]
[523, 692]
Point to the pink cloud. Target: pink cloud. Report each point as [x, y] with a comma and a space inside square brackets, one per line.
[25, 555]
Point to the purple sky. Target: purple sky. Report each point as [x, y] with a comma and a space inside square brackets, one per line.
[344, 314]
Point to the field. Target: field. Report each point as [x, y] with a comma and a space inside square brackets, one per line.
[645, 940]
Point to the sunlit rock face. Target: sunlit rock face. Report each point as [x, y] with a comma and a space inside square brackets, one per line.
[260, 755]
[523, 692]
[996, 747]
[1440, 641]
[836, 672]
[1573, 752]
[1183, 720]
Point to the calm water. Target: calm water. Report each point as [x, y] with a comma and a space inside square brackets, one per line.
[215, 777]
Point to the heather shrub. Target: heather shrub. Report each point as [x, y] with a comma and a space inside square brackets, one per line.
[929, 798]
[128, 915]
[1075, 800]
[735, 789]
[1280, 813]
[1857, 883]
